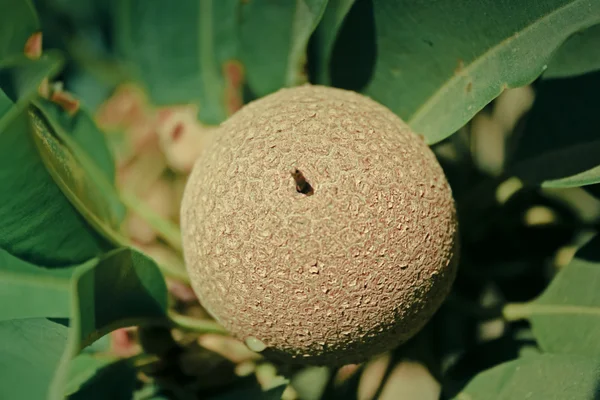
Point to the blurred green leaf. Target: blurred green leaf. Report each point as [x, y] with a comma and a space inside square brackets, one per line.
[100, 378]
[274, 36]
[310, 383]
[39, 224]
[83, 368]
[483, 356]
[178, 51]
[566, 317]
[20, 76]
[436, 71]
[88, 197]
[30, 351]
[41, 292]
[90, 144]
[545, 376]
[560, 146]
[121, 288]
[84, 131]
[18, 21]
[326, 35]
[577, 56]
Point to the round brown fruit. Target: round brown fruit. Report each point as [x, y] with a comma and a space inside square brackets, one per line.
[317, 226]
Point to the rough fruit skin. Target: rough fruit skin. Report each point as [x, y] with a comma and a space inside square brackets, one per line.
[341, 275]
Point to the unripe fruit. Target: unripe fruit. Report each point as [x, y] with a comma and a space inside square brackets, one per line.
[318, 225]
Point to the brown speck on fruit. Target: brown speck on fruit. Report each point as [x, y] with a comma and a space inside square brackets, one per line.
[302, 186]
[469, 87]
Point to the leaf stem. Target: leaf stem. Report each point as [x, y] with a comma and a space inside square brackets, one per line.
[516, 311]
[169, 231]
[197, 325]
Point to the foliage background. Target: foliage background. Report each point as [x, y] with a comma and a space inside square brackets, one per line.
[506, 92]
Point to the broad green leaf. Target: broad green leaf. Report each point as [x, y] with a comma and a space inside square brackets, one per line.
[483, 356]
[83, 368]
[326, 34]
[38, 224]
[577, 56]
[41, 292]
[560, 146]
[30, 351]
[122, 288]
[92, 377]
[90, 145]
[178, 52]
[566, 317]
[545, 376]
[439, 62]
[20, 78]
[84, 131]
[18, 21]
[96, 202]
[274, 36]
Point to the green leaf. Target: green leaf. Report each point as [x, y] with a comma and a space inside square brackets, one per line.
[83, 368]
[122, 288]
[18, 21]
[577, 56]
[41, 292]
[326, 34]
[566, 317]
[178, 52]
[545, 376]
[88, 145]
[100, 378]
[439, 62]
[30, 350]
[95, 204]
[85, 133]
[274, 36]
[559, 146]
[20, 78]
[39, 224]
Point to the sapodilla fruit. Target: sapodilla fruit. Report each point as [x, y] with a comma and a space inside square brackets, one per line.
[318, 228]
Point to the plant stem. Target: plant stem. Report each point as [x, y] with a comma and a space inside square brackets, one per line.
[166, 229]
[516, 311]
[197, 325]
